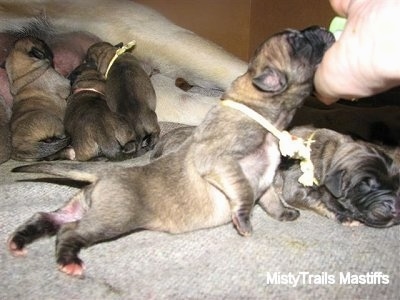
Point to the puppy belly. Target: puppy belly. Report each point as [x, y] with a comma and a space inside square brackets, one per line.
[203, 214]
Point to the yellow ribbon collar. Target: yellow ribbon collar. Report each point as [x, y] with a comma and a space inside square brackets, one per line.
[78, 90]
[119, 51]
[289, 145]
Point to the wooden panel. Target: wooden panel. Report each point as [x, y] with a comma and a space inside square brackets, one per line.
[240, 26]
[269, 17]
[225, 22]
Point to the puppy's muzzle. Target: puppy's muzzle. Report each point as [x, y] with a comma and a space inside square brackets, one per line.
[311, 43]
[378, 209]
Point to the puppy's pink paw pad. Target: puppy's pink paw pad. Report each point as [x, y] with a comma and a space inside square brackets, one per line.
[15, 251]
[72, 269]
[352, 223]
[70, 153]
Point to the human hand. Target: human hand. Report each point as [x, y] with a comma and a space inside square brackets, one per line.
[365, 60]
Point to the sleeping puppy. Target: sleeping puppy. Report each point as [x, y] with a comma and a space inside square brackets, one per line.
[39, 94]
[357, 181]
[129, 92]
[94, 129]
[215, 177]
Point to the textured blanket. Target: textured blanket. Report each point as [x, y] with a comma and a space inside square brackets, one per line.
[305, 259]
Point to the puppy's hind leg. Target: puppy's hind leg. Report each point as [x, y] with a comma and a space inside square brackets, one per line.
[228, 177]
[45, 224]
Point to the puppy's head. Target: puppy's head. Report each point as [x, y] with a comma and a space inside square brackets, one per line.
[101, 54]
[284, 64]
[86, 75]
[367, 185]
[28, 54]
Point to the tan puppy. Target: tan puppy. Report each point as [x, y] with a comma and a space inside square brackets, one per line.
[215, 177]
[168, 48]
[39, 94]
[94, 129]
[129, 92]
[174, 51]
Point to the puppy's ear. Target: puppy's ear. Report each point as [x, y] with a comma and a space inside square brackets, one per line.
[271, 80]
[119, 45]
[334, 181]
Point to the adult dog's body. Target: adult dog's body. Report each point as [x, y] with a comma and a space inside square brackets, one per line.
[39, 94]
[216, 176]
[94, 129]
[129, 92]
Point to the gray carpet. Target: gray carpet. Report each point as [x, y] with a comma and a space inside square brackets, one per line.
[207, 264]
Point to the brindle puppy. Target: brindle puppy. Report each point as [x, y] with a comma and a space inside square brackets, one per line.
[94, 129]
[39, 94]
[129, 92]
[356, 180]
[215, 177]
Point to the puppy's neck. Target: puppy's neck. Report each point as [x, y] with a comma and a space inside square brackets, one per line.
[80, 90]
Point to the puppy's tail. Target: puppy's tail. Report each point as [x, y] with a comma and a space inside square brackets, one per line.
[51, 146]
[72, 171]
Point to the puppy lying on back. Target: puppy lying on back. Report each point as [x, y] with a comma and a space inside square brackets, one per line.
[215, 177]
[94, 129]
[129, 92]
[356, 181]
[39, 94]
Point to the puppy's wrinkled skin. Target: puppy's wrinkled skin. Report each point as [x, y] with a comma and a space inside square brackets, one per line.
[39, 94]
[215, 177]
[129, 93]
[357, 181]
[94, 129]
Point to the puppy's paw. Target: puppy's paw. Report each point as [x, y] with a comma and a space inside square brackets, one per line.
[289, 214]
[353, 223]
[16, 246]
[348, 221]
[72, 269]
[70, 153]
[242, 224]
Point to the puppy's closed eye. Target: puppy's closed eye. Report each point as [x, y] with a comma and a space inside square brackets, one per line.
[369, 185]
[37, 53]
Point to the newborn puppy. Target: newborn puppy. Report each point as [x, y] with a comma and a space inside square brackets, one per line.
[39, 94]
[129, 92]
[94, 129]
[215, 177]
[356, 180]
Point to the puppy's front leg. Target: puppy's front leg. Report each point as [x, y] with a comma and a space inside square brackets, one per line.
[227, 176]
[273, 206]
